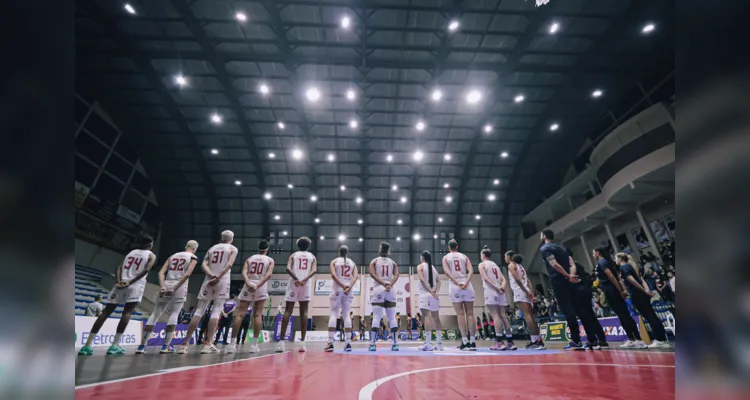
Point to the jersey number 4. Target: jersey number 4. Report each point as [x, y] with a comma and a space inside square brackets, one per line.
[133, 260]
[256, 268]
[178, 264]
[494, 271]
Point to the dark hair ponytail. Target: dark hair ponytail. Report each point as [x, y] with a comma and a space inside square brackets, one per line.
[428, 259]
[487, 252]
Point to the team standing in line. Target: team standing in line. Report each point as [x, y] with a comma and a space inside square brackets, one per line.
[301, 267]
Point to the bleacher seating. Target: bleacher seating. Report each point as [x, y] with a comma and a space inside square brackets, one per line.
[88, 286]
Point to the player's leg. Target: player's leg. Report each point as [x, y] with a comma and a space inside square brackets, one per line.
[462, 327]
[213, 321]
[127, 312]
[390, 313]
[565, 302]
[594, 330]
[429, 325]
[642, 303]
[528, 315]
[469, 309]
[377, 316]
[87, 350]
[236, 323]
[334, 306]
[303, 324]
[495, 313]
[435, 317]
[174, 313]
[159, 307]
[346, 307]
[200, 309]
[257, 324]
[284, 323]
[244, 328]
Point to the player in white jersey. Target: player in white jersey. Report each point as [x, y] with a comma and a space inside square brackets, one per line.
[301, 267]
[429, 302]
[524, 297]
[494, 284]
[457, 267]
[130, 281]
[384, 272]
[256, 272]
[216, 265]
[345, 276]
[173, 279]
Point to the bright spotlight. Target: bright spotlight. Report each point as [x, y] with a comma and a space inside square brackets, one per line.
[180, 80]
[277, 217]
[129, 8]
[345, 22]
[394, 187]
[268, 196]
[448, 199]
[216, 119]
[314, 198]
[342, 238]
[389, 158]
[238, 183]
[297, 154]
[420, 126]
[350, 94]
[447, 157]
[453, 26]
[554, 127]
[264, 89]
[281, 125]
[331, 157]
[240, 16]
[359, 200]
[417, 236]
[504, 154]
[488, 128]
[271, 155]
[214, 151]
[519, 98]
[313, 94]
[648, 28]
[418, 155]
[491, 197]
[353, 124]
[343, 188]
[403, 199]
[473, 97]
[437, 95]
[554, 28]
[597, 93]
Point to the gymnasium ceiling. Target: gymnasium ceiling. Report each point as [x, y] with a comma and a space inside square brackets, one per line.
[494, 158]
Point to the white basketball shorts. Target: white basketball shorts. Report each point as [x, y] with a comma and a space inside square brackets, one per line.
[459, 295]
[260, 293]
[130, 294]
[216, 292]
[494, 298]
[298, 293]
[380, 295]
[429, 303]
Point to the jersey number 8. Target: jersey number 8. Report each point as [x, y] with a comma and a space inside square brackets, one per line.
[457, 265]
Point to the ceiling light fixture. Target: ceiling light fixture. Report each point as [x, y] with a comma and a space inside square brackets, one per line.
[418, 155]
[487, 128]
[448, 199]
[350, 94]
[331, 157]
[277, 217]
[554, 127]
[342, 238]
[314, 198]
[343, 188]
[214, 151]
[477, 217]
[345, 22]
[496, 181]
[238, 183]
[216, 118]
[440, 219]
[284, 233]
[504, 154]
[312, 94]
[453, 26]
[281, 125]
[264, 88]
[353, 124]
[398, 238]
[394, 187]
[417, 236]
[471, 231]
[317, 220]
[491, 197]
[446, 186]
[129, 8]
[322, 237]
[271, 155]
[358, 200]
[447, 157]
[267, 196]
[403, 199]
[290, 186]
[434, 236]
[400, 222]
[297, 154]
[360, 239]
[180, 80]
[240, 16]
[359, 221]
[437, 95]
[389, 158]
[554, 28]
[420, 126]
[519, 98]
[473, 97]
[597, 93]
[648, 28]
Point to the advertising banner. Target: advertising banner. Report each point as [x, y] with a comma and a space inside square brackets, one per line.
[324, 287]
[159, 333]
[277, 287]
[559, 332]
[106, 335]
[401, 290]
[277, 328]
[450, 334]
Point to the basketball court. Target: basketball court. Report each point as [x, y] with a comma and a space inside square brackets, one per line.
[381, 375]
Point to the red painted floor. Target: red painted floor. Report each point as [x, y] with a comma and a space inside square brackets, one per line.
[318, 375]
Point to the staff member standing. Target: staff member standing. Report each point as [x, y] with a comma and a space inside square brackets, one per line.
[562, 277]
[616, 293]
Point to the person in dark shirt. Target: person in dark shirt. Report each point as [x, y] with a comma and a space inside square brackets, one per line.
[245, 326]
[641, 300]
[564, 281]
[610, 284]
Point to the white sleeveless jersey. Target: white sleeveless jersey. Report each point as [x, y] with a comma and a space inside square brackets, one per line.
[302, 262]
[515, 285]
[457, 266]
[344, 271]
[493, 273]
[421, 289]
[178, 264]
[257, 267]
[218, 256]
[385, 269]
[133, 264]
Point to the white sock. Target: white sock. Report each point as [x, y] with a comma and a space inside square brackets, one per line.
[255, 340]
[439, 335]
[471, 339]
[348, 337]
[464, 341]
[116, 342]
[428, 337]
[168, 338]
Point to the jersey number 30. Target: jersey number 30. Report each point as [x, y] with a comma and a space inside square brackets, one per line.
[256, 268]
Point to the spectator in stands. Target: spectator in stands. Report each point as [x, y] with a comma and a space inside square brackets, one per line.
[226, 319]
[186, 315]
[609, 281]
[204, 324]
[662, 286]
[245, 326]
[650, 278]
[95, 308]
[670, 275]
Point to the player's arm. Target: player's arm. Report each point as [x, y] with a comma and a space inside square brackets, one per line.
[395, 275]
[313, 271]
[503, 282]
[447, 271]
[334, 273]
[613, 279]
[355, 276]
[268, 273]
[206, 268]
[149, 265]
[191, 267]
[553, 262]
[513, 270]
[117, 274]
[573, 268]
[437, 285]
[245, 266]
[420, 272]
[483, 274]
[289, 269]
[374, 276]
[639, 286]
[469, 272]
[162, 274]
[230, 262]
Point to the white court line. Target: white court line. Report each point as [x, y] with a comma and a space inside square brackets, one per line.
[366, 392]
[172, 370]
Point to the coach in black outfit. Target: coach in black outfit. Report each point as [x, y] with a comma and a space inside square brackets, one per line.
[615, 290]
[564, 283]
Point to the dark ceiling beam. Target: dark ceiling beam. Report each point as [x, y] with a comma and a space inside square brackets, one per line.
[155, 81]
[195, 27]
[619, 25]
[498, 67]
